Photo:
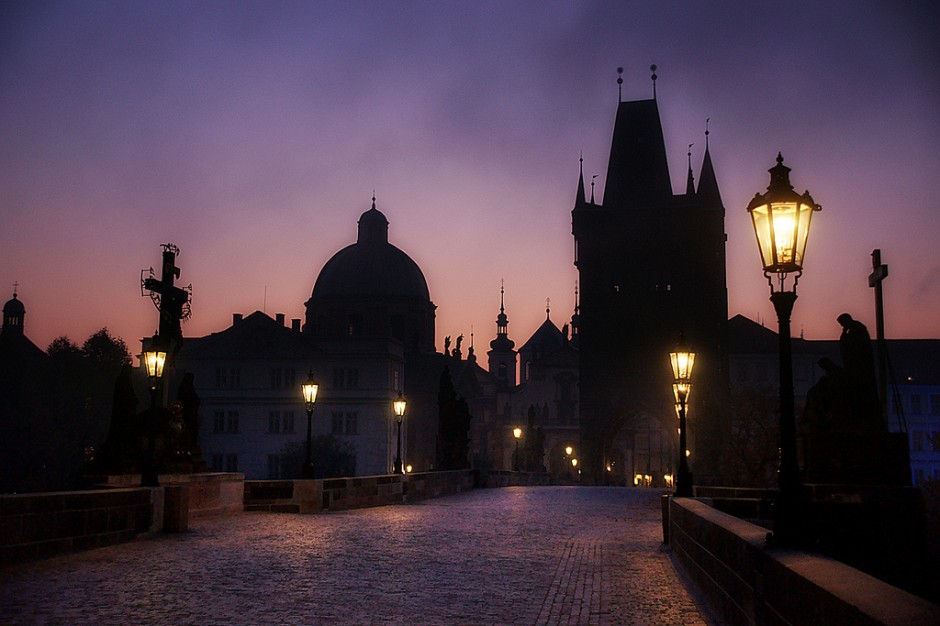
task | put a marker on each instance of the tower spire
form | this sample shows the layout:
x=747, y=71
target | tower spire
x=690, y=182
x=579, y=199
x=708, y=194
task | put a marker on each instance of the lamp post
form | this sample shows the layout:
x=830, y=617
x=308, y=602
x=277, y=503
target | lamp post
x=781, y=219
x=682, y=360
x=517, y=434
x=399, y=406
x=310, y=388
x=154, y=358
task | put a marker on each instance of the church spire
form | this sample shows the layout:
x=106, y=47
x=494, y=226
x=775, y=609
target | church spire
x=708, y=194
x=690, y=181
x=579, y=199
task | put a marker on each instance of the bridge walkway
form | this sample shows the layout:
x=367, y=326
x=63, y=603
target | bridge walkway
x=520, y=555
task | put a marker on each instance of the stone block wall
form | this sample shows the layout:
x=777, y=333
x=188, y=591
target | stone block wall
x=38, y=525
x=745, y=582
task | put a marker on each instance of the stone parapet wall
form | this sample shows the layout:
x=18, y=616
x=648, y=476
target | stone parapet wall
x=38, y=525
x=209, y=493
x=744, y=582
x=337, y=494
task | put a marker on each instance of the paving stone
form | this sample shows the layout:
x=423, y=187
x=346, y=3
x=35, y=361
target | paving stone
x=536, y=555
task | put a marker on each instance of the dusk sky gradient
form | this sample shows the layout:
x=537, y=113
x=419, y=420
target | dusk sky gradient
x=252, y=135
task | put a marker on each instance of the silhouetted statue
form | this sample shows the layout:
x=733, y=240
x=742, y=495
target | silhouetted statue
x=117, y=453
x=859, y=365
x=189, y=400
x=447, y=345
x=534, y=445
x=453, y=434
x=457, y=352
x=827, y=407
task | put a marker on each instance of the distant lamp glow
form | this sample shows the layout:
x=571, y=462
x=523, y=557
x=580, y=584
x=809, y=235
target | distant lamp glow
x=408, y=469
x=574, y=462
x=309, y=389
x=399, y=406
x=682, y=360
x=568, y=450
x=517, y=434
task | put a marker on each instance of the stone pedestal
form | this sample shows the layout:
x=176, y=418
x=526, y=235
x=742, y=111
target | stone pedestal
x=855, y=458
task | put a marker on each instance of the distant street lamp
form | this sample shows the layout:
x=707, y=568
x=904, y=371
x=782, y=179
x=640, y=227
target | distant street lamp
x=399, y=406
x=682, y=360
x=154, y=358
x=781, y=220
x=517, y=433
x=310, y=388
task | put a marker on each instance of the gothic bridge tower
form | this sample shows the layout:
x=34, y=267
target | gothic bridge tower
x=651, y=265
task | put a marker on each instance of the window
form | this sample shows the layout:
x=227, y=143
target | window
x=231, y=462
x=287, y=425
x=217, y=462
x=235, y=377
x=339, y=378
x=220, y=377
x=934, y=440
x=274, y=422
x=918, y=476
x=345, y=423
x=354, y=324
x=218, y=422
x=935, y=404
x=916, y=408
x=277, y=379
x=274, y=466
x=290, y=378
x=352, y=379
x=232, y=423
x=917, y=441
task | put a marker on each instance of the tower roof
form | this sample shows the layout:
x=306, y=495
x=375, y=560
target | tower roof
x=637, y=173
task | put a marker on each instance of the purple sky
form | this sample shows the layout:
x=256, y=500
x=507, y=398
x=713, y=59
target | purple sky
x=252, y=136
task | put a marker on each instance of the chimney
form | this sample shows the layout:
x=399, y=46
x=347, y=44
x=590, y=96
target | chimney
x=295, y=325
x=279, y=318
x=236, y=318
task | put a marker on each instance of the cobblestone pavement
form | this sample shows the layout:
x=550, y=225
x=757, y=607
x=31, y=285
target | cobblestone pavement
x=536, y=555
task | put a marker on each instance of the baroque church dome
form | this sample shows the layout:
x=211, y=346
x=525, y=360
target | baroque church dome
x=371, y=266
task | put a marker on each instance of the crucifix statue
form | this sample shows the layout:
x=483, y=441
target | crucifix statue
x=172, y=301
x=877, y=276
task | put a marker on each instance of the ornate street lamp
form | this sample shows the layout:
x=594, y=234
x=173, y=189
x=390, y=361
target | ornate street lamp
x=781, y=220
x=399, y=406
x=310, y=388
x=517, y=433
x=154, y=359
x=682, y=360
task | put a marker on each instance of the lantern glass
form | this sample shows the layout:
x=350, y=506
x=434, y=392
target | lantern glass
x=399, y=405
x=154, y=360
x=517, y=432
x=310, y=388
x=682, y=362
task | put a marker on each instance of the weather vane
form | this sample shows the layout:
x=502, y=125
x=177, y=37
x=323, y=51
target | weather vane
x=653, y=70
x=619, y=84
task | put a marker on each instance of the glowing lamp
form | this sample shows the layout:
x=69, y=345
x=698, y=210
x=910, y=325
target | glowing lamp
x=310, y=388
x=781, y=219
x=154, y=360
x=517, y=432
x=399, y=405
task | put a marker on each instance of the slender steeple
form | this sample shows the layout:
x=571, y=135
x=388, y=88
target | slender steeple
x=690, y=181
x=502, y=356
x=708, y=194
x=576, y=317
x=579, y=199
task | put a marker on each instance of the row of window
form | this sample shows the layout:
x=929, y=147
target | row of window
x=921, y=475
x=280, y=422
x=923, y=441
x=284, y=378
x=916, y=405
x=228, y=422
x=224, y=462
